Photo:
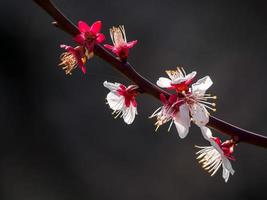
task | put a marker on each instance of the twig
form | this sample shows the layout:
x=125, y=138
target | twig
x=238, y=134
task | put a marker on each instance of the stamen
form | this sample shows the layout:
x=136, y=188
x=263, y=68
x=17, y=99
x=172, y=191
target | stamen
x=170, y=126
x=183, y=71
x=209, y=158
x=68, y=62
x=217, y=167
x=209, y=103
x=213, y=109
x=123, y=32
x=207, y=97
x=155, y=113
x=111, y=31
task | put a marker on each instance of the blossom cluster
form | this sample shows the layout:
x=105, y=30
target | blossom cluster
x=88, y=37
x=187, y=102
x=190, y=103
x=77, y=56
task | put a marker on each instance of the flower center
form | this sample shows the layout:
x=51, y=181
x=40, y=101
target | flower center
x=180, y=87
x=129, y=95
x=227, y=147
x=90, y=36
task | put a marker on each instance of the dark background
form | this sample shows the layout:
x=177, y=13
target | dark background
x=58, y=138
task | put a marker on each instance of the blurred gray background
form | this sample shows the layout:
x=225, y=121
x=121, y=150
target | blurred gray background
x=58, y=138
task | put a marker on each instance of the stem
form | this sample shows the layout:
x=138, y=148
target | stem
x=238, y=134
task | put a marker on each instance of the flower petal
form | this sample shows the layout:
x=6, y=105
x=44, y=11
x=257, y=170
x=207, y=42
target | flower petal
x=96, y=27
x=225, y=174
x=181, y=78
x=164, y=82
x=68, y=48
x=83, y=26
x=199, y=114
x=190, y=76
x=100, y=37
x=227, y=168
x=163, y=99
x=111, y=86
x=182, y=121
x=115, y=102
x=129, y=114
x=227, y=164
x=81, y=65
x=206, y=132
x=109, y=47
x=131, y=44
x=200, y=87
x=79, y=38
x=83, y=69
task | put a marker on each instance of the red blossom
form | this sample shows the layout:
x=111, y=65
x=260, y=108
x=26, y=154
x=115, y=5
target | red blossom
x=121, y=46
x=77, y=53
x=89, y=36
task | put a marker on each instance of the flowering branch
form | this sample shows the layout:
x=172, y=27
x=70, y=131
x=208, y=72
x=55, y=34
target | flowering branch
x=145, y=86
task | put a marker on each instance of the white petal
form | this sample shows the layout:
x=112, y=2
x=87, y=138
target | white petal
x=227, y=168
x=191, y=75
x=227, y=165
x=115, y=102
x=199, y=114
x=164, y=82
x=182, y=79
x=112, y=86
x=182, y=121
x=129, y=114
x=225, y=174
x=200, y=87
x=206, y=132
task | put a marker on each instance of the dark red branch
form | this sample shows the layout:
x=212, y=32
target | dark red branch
x=238, y=134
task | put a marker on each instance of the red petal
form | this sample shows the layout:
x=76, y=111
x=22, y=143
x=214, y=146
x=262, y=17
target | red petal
x=163, y=98
x=64, y=46
x=96, y=27
x=131, y=44
x=116, y=51
x=83, y=27
x=127, y=102
x=122, y=87
x=68, y=48
x=79, y=38
x=134, y=103
x=81, y=65
x=109, y=47
x=172, y=99
x=83, y=69
x=100, y=38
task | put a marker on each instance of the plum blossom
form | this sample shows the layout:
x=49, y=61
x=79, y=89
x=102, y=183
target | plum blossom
x=196, y=101
x=122, y=100
x=121, y=46
x=169, y=111
x=89, y=36
x=193, y=100
x=74, y=57
x=218, y=154
x=177, y=80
